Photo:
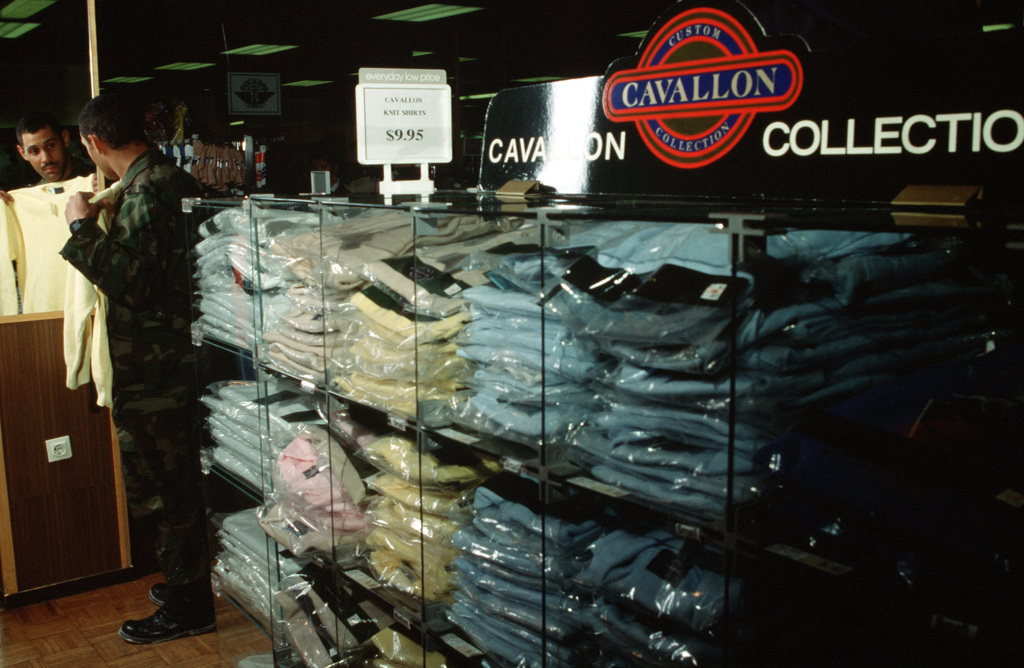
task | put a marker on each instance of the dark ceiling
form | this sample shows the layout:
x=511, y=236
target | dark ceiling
x=482, y=52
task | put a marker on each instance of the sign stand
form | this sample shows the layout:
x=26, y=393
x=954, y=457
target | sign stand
x=421, y=186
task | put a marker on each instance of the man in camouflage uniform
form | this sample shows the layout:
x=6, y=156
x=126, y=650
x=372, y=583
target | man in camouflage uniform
x=142, y=265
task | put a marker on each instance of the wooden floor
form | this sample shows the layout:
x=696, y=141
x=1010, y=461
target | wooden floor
x=81, y=630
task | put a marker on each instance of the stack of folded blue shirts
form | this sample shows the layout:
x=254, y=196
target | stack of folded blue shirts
x=735, y=354
x=658, y=597
x=531, y=383
x=920, y=478
x=511, y=599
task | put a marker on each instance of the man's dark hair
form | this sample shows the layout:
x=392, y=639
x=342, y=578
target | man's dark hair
x=117, y=119
x=35, y=122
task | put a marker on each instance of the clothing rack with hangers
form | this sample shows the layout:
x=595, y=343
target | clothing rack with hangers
x=219, y=165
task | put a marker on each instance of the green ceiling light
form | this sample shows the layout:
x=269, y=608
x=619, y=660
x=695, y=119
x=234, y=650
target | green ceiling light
x=417, y=54
x=127, y=79
x=639, y=34
x=12, y=29
x=183, y=67
x=308, y=82
x=467, y=59
x=997, y=26
x=259, y=49
x=478, y=96
x=22, y=9
x=430, y=12
x=237, y=123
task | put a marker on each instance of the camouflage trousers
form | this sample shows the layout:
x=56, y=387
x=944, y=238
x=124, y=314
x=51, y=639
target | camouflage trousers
x=159, y=442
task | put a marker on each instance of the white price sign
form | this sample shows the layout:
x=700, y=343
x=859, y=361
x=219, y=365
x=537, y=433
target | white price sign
x=403, y=117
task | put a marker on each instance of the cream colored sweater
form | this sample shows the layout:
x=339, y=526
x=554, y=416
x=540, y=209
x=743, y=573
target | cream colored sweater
x=86, y=351
x=32, y=231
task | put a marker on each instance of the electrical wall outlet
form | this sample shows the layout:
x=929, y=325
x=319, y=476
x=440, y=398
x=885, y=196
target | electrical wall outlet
x=58, y=448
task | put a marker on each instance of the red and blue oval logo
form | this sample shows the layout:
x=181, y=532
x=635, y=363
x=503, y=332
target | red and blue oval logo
x=698, y=86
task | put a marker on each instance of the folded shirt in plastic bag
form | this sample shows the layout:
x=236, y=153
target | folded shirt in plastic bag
x=629, y=638
x=443, y=467
x=326, y=622
x=653, y=572
x=400, y=651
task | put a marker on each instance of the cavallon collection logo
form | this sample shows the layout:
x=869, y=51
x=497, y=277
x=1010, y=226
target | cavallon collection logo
x=698, y=86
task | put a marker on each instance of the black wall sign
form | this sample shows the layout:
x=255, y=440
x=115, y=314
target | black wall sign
x=711, y=107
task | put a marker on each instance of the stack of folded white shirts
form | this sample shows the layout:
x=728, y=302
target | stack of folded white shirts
x=223, y=269
x=319, y=500
x=424, y=497
x=229, y=268
x=233, y=422
x=243, y=563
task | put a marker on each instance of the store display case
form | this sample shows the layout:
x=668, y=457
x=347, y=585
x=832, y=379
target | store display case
x=624, y=431
x=683, y=382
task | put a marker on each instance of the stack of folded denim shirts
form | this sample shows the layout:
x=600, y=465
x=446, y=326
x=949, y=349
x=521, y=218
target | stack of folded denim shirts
x=422, y=503
x=532, y=380
x=242, y=565
x=628, y=638
x=917, y=480
x=328, y=624
x=319, y=500
x=716, y=349
x=511, y=599
x=658, y=598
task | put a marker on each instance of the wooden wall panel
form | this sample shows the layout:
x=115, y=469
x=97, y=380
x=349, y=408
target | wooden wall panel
x=64, y=519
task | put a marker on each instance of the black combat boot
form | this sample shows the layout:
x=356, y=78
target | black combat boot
x=159, y=593
x=188, y=611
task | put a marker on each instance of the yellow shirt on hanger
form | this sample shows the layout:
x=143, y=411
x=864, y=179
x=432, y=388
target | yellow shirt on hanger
x=32, y=231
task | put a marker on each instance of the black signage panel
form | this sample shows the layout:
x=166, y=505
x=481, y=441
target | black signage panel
x=711, y=107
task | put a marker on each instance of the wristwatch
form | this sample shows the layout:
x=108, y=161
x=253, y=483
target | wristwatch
x=78, y=222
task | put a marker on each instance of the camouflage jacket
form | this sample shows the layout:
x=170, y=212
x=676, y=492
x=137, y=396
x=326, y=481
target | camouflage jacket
x=142, y=266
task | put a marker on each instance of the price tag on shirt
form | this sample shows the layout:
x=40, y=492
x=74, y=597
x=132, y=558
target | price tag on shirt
x=403, y=116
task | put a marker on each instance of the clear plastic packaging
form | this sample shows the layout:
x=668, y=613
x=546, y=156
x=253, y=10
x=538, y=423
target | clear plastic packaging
x=444, y=467
x=452, y=503
x=318, y=499
x=401, y=651
x=657, y=573
x=328, y=627
x=403, y=561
